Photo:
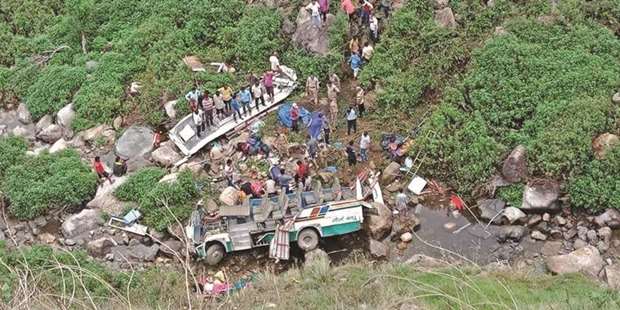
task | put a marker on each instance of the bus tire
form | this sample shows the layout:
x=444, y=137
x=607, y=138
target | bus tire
x=308, y=239
x=214, y=254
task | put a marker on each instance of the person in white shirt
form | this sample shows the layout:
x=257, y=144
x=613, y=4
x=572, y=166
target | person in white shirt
x=228, y=172
x=275, y=62
x=364, y=146
x=271, y=188
x=315, y=10
x=367, y=51
x=257, y=94
x=197, y=117
x=374, y=28
x=351, y=121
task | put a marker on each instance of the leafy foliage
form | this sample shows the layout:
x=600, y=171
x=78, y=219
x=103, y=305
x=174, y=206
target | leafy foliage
x=53, y=88
x=47, y=181
x=512, y=194
x=12, y=151
x=138, y=184
x=599, y=186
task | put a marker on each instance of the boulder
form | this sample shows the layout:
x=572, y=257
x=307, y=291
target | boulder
x=611, y=218
x=605, y=234
x=105, y=200
x=309, y=37
x=23, y=115
x=616, y=98
x=170, y=109
x=26, y=131
x=513, y=214
x=170, y=247
x=440, y=4
x=541, y=195
x=166, y=155
x=102, y=131
x=50, y=134
x=316, y=257
x=402, y=224
x=135, y=253
x=514, y=169
x=551, y=248
x=229, y=196
x=378, y=249
x=445, y=18
x=100, y=247
x=46, y=238
x=406, y=237
x=80, y=223
x=59, y=146
x=612, y=276
x=136, y=141
x=586, y=260
x=490, y=208
x=537, y=235
x=91, y=65
x=510, y=232
x=117, y=123
x=65, y=116
x=379, y=224
x=43, y=123
x=390, y=173
x=579, y=244
x=604, y=143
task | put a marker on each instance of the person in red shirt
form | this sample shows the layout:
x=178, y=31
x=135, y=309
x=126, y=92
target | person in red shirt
x=268, y=83
x=295, y=117
x=98, y=165
x=157, y=139
x=301, y=173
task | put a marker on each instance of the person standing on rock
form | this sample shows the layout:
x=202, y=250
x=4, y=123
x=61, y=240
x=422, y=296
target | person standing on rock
x=315, y=13
x=193, y=95
x=268, y=83
x=100, y=170
x=360, y=100
x=197, y=117
x=364, y=146
x=120, y=167
x=401, y=202
x=227, y=94
x=332, y=98
x=257, y=94
x=294, y=117
x=208, y=107
x=301, y=173
x=351, y=121
x=218, y=101
x=324, y=7
x=312, y=88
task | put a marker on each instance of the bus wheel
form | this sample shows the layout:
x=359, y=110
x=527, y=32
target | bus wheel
x=215, y=253
x=308, y=239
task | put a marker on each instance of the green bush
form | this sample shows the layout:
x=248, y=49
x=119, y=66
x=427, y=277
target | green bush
x=139, y=184
x=12, y=151
x=599, y=186
x=53, y=89
x=47, y=181
x=512, y=194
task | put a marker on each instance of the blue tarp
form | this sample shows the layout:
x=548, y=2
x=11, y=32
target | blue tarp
x=284, y=115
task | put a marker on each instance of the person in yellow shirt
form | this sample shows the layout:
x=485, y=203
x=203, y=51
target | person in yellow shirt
x=226, y=93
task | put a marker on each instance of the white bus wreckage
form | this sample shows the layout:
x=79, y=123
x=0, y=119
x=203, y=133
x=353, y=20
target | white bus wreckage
x=184, y=133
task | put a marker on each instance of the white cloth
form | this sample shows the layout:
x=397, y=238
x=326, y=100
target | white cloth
x=270, y=186
x=275, y=63
x=315, y=8
x=364, y=142
x=367, y=52
x=197, y=117
x=351, y=115
x=374, y=24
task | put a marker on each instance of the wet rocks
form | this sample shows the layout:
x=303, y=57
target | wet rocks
x=515, y=166
x=445, y=18
x=23, y=115
x=51, y=133
x=541, y=195
x=100, y=247
x=379, y=225
x=586, y=260
x=104, y=198
x=612, y=276
x=611, y=218
x=490, y=208
x=378, y=249
x=514, y=215
x=511, y=232
x=166, y=155
x=81, y=223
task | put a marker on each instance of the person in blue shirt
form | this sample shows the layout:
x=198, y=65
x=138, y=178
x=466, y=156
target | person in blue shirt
x=236, y=107
x=246, y=99
x=356, y=64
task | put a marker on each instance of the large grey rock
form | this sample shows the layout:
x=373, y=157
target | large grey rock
x=166, y=155
x=58, y=146
x=513, y=214
x=586, y=260
x=308, y=36
x=100, y=247
x=515, y=166
x=440, y=4
x=379, y=225
x=445, y=18
x=616, y=98
x=80, y=223
x=510, y=232
x=51, y=133
x=91, y=65
x=537, y=235
x=25, y=131
x=490, y=208
x=169, y=107
x=612, y=276
x=611, y=218
x=172, y=247
x=65, y=116
x=604, y=143
x=96, y=133
x=105, y=200
x=135, y=253
x=43, y=123
x=136, y=141
x=541, y=195
x=23, y=115
x=390, y=173
x=316, y=257
x=378, y=249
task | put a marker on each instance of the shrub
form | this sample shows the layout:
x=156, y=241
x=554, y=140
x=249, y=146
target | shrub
x=53, y=89
x=12, y=151
x=48, y=181
x=512, y=194
x=599, y=186
x=139, y=184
